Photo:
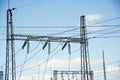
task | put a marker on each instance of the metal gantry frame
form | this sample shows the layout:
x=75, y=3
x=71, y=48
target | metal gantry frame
x=75, y=75
x=85, y=63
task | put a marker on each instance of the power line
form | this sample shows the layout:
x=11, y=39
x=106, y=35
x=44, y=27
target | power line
x=98, y=36
x=107, y=64
x=52, y=34
x=106, y=37
x=30, y=57
x=2, y=39
x=46, y=26
x=100, y=30
x=108, y=20
x=103, y=26
x=64, y=31
x=22, y=67
x=33, y=55
x=2, y=33
x=63, y=26
x=35, y=47
x=28, y=4
x=38, y=52
x=15, y=54
x=46, y=67
x=55, y=48
x=42, y=62
x=43, y=26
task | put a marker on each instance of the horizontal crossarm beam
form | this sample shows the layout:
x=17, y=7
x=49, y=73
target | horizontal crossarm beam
x=46, y=38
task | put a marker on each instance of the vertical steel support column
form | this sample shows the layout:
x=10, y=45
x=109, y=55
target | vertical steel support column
x=1, y=75
x=91, y=75
x=10, y=48
x=84, y=52
x=62, y=76
x=104, y=69
x=7, y=49
x=55, y=74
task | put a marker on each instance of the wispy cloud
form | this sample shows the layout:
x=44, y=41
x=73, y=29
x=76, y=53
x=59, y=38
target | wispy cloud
x=111, y=72
x=93, y=17
x=61, y=63
x=55, y=64
x=90, y=22
x=24, y=78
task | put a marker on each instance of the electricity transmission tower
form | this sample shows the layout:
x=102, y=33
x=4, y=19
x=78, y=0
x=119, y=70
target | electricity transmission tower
x=10, y=55
x=86, y=73
x=85, y=60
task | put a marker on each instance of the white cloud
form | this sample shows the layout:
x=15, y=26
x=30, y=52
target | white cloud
x=93, y=17
x=40, y=77
x=24, y=78
x=35, y=77
x=63, y=64
x=110, y=71
x=96, y=62
x=54, y=64
x=90, y=19
x=113, y=71
x=90, y=22
x=93, y=27
x=60, y=63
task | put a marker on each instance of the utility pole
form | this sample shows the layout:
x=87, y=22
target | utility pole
x=10, y=55
x=85, y=62
x=104, y=69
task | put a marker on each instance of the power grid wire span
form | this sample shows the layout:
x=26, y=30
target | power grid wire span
x=22, y=67
x=28, y=4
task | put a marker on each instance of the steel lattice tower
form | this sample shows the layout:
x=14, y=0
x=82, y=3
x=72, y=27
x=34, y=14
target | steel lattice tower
x=10, y=54
x=85, y=61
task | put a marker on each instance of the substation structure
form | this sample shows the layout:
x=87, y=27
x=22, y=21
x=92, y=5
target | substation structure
x=85, y=73
x=69, y=75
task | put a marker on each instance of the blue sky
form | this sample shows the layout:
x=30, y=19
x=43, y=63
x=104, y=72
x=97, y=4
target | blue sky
x=64, y=13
